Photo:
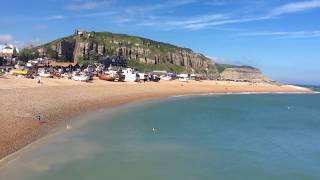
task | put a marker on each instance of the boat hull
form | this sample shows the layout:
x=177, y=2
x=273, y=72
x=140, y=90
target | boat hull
x=107, y=78
x=19, y=72
x=80, y=78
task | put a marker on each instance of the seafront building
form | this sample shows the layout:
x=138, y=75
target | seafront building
x=8, y=51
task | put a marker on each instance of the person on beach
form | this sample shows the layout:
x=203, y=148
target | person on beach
x=137, y=77
x=39, y=119
x=38, y=79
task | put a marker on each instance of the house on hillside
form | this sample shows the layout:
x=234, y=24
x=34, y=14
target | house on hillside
x=8, y=51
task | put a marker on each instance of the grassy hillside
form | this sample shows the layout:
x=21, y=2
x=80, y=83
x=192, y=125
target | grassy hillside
x=222, y=67
x=109, y=40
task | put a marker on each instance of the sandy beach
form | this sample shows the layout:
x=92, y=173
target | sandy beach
x=56, y=100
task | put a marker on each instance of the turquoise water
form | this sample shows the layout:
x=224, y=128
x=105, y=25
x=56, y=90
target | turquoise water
x=209, y=137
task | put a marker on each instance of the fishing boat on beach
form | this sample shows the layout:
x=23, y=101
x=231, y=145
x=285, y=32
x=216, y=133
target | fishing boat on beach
x=107, y=76
x=120, y=77
x=17, y=72
x=130, y=75
x=45, y=74
x=66, y=75
x=183, y=77
x=133, y=76
x=166, y=78
x=80, y=76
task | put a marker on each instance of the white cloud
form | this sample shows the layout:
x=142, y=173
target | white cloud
x=86, y=5
x=88, y=15
x=295, y=7
x=5, y=38
x=285, y=34
x=97, y=14
x=29, y=43
x=275, y=12
x=224, y=22
x=205, y=21
x=8, y=38
x=148, y=14
x=200, y=22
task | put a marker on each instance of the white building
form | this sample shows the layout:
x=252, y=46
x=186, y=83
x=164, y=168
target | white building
x=8, y=51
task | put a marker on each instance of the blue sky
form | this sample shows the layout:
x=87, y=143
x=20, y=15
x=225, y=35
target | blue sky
x=281, y=37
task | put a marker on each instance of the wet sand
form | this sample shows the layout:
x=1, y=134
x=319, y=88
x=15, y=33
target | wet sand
x=56, y=100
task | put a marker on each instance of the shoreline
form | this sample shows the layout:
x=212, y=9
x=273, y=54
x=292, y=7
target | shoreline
x=59, y=130
x=60, y=102
x=77, y=122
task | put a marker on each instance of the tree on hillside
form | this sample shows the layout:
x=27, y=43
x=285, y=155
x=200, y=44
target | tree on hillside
x=52, y=53
x=93, y=55
x=28, y=54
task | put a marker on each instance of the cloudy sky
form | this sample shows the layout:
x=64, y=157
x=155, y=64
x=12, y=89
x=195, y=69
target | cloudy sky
x=281, y=37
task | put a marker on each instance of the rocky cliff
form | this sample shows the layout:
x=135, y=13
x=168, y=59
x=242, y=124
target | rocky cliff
x=90, y=46
x=87, y=47
x=243, y=74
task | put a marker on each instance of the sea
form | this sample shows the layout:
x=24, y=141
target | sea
x=243, y=137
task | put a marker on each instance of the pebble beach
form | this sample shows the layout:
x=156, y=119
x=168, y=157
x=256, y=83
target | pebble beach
x=30, y=111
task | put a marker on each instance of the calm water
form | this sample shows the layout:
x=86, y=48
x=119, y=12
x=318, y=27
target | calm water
x=218, y=137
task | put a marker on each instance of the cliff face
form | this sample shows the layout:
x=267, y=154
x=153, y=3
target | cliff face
x=90, y=46
x=243, y=74
x=180, y=57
